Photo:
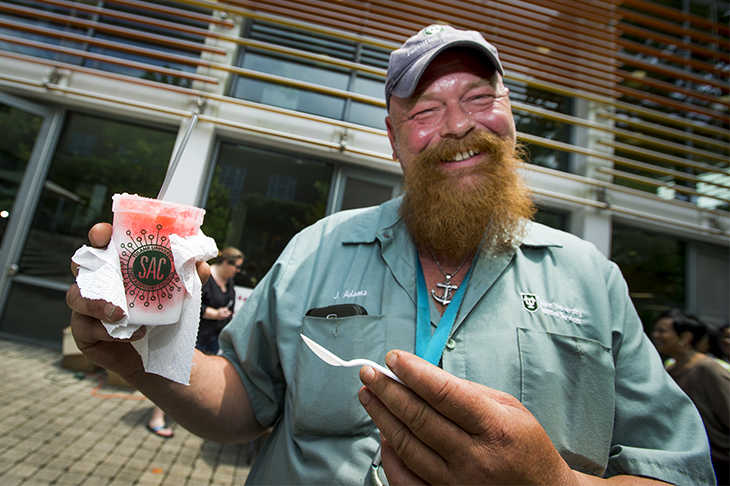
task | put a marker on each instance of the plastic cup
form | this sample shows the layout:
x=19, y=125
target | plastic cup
x=142, y=229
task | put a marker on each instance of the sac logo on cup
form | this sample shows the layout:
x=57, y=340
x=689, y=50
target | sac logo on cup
x=148, y=269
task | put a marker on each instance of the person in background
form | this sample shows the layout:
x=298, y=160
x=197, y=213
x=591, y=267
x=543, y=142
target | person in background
x=723, y=343
x=218, y=298
x=157, y=424
x=536, y=367
x=676, y=333
x=708, y=345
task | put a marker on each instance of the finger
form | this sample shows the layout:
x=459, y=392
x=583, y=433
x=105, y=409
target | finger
x=98, y=309
x=87, y=331
x=100, y=234
x=395, y=469
x=467, y=404
x=414, y=452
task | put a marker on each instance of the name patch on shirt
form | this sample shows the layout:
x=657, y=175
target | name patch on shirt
x=352, y=293
x=533, y=303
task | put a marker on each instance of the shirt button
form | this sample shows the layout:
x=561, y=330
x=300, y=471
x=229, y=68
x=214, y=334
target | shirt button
x=450, y=344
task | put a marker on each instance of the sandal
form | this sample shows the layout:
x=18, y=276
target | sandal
x=160, y=431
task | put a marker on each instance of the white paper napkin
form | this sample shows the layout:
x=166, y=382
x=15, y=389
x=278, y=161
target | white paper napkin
x=165, y=350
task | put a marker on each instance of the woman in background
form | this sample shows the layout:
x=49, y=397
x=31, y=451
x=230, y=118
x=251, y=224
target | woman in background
x=218, y=298
x=706, y=383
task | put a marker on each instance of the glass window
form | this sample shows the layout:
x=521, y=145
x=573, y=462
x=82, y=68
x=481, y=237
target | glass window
x=365, y=113
x=19, y=130
x=363, y=193
x=368, y=115
x=322, y=74
x=553, y=218
x=654, y=268
x=48, y=316
x=534, y=124
x=288, y=97
x=296, y=70
x=94, y=159
x=75, y=21
x=276, y=196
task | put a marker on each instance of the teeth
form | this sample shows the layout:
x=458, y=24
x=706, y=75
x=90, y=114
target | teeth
x=463, y=155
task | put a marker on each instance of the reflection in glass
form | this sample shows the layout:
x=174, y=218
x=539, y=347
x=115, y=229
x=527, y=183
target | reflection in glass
x=273, y=197
x=19, y=130
x=94, y=159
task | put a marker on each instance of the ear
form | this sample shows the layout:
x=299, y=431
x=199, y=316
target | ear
x=687, y=337
x=391, y=136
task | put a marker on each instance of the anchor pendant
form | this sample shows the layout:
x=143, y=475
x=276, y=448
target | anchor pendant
x=446, y=298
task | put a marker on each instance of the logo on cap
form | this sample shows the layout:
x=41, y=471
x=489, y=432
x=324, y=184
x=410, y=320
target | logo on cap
x=433, y=29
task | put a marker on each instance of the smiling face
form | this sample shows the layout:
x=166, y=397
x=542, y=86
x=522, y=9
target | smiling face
x=665, y=338
x=459, y=94
x=455, y=139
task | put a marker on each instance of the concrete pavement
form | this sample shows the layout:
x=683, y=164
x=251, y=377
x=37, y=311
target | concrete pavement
x=63, y=427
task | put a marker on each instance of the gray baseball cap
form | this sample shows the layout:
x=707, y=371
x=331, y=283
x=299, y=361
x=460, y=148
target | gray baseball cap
x=408, y=63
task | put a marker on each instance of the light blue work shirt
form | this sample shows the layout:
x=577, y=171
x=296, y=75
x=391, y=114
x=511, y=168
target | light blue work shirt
x=550, y=323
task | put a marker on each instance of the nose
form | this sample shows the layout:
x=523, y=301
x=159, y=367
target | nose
x=457, y=122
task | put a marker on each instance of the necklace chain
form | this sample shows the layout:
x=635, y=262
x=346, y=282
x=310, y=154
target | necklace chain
x=449, y=277
x=447, y=286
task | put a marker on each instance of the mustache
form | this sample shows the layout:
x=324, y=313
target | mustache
x=476, y=141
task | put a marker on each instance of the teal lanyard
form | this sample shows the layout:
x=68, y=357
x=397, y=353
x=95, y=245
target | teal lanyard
x=431, y=347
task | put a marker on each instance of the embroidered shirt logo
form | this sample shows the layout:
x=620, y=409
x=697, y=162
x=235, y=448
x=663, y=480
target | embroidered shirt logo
x=530, y=302
x=533, y=303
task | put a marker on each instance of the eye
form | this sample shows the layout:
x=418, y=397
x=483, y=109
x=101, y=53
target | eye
x=424, y=112
x=481, y=101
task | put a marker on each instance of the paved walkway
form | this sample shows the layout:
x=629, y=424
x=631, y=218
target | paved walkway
x=61, y=427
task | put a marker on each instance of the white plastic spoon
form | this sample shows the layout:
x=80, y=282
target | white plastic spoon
x=332, y=359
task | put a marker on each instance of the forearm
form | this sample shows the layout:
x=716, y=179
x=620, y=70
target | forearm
x=211, y=314
x=215, y=406
x=587, y=480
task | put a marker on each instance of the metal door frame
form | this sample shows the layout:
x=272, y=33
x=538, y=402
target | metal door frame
x=30, y=189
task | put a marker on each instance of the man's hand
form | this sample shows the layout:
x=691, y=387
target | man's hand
x=90, y=335
x=444, y=430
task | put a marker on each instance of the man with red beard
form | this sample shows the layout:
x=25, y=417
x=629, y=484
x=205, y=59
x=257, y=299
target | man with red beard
x=524, y=360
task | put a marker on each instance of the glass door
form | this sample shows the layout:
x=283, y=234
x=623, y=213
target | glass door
x=28, y=138
x=92, y=157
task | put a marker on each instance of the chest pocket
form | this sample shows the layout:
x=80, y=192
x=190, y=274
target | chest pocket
x=325, y=397
x=567, y=383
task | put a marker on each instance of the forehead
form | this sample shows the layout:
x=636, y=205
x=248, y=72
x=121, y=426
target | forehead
x=665, y=324
x=453, y=62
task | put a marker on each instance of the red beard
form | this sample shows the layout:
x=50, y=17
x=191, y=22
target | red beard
x=453, y=212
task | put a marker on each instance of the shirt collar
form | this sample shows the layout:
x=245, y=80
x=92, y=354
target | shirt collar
x=538, y=235
x=374, y=224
